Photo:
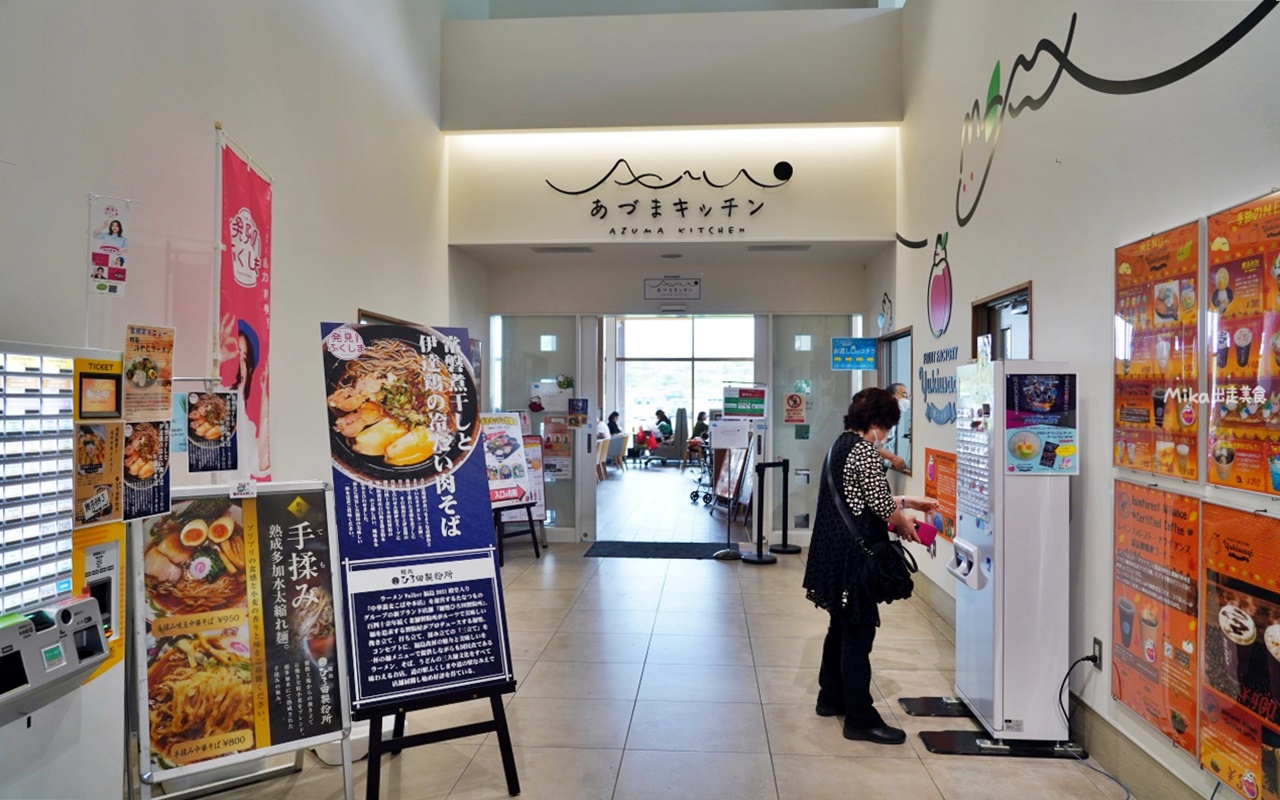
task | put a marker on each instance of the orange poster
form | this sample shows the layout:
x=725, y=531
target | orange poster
x=1157, y=370
x=1154, y=665
x=940, y=482
x=1240, y=695
x=1243, y=337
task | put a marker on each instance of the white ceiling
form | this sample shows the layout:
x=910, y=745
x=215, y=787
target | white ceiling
x=694, y=255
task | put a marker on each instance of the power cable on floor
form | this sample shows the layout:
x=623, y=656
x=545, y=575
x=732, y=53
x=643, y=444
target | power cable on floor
x=1067, y=718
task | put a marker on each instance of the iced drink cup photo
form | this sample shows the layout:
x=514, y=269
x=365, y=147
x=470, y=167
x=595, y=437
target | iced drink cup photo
x=1223, y=349
x=1157, y=406
x=1150, y=641
x=1238, y=636
x=1126, y=620
x=1244, y=341
x=1224, y=455
x=1184, y=458
x=1163, y=348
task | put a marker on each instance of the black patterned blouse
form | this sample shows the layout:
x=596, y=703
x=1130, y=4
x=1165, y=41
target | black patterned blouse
x=862, y=484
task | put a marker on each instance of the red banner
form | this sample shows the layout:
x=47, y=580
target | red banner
x=244, y=302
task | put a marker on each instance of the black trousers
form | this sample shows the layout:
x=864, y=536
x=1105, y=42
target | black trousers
x=844, y=681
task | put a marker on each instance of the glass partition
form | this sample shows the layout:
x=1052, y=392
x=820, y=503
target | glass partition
x=519, y=361
x=802, y=365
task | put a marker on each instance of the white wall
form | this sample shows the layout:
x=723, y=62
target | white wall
x=1070, y=182
x=842, y=186
x=749, y=68
x=597, y=287
x=468, y=294
x=338, y=101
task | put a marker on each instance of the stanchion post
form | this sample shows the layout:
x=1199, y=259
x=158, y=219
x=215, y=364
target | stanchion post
x=760, y=556
x=785, y=548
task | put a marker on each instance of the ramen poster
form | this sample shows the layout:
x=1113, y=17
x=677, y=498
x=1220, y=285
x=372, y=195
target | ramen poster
x=1041, y=433
x=238, y=628
x=415, y=528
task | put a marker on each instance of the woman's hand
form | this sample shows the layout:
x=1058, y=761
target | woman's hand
x=904, y=526
x=898, y=462
x=926, y=505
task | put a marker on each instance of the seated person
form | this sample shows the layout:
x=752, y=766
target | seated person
x=663, y=429
x=614, y=427
x=602, y=430
x=700, y=430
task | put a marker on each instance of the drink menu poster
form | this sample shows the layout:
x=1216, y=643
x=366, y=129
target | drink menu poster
x=1240, y=643
x=1154, y=640
x=940, y=483
x=1157, y=370
x=1243, y=337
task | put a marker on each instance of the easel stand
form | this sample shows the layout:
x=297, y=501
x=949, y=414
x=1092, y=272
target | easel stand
x=532, y=530
x=729, y=553
x=760, y=556
x=399, y=741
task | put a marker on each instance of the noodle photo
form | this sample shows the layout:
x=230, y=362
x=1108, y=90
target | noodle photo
x=145, y=455
x=208, y=417
x=399, y=413
x=198, y=687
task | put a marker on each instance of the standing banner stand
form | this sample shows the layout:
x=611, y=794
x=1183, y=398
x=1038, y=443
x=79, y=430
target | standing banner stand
x=237, y=635
x=729, y=553
x=500, y=524
x=419, y=553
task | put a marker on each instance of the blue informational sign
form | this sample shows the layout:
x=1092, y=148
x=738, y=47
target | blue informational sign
x=1042, y=436
x=421, y=585
x=851, y=353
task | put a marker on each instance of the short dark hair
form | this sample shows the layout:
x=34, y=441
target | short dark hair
x=872, y=407
x=894, y=387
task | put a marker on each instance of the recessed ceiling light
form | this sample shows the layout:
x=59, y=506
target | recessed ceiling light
x=672, y=255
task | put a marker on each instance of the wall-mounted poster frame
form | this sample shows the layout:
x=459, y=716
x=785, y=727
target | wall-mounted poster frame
x=1158, y=334
x=1155, y=609
x=1242, y=325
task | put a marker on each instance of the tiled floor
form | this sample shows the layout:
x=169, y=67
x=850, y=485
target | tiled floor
x=651, y=504
x=662, y=680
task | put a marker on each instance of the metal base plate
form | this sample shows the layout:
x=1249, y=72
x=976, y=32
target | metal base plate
x=934, y=706
x=978, y=743
x=727, y=554
x=785, y=549
x=763, y=558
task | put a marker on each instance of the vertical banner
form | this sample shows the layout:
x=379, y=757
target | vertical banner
x=108, y=245
x=244, y=303
x=209, y=431
x=504, y=459
x=419, y=557
x=1157, y=372
x=1240, y=643
x=1156, y=603
x=940, y=483
x=1243, y=328
x=1041, y=432
x=237, y=627
x=537, y=490
x=147, y=402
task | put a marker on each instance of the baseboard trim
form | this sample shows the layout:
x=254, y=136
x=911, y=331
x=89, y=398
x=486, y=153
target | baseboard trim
x=938, y=599
x=1123, y=758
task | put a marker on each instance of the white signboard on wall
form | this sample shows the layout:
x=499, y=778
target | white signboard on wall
x=672, y=287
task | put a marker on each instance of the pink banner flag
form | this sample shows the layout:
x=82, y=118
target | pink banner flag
x=245, y=304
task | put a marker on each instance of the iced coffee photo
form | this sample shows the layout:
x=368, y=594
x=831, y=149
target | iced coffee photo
x=1237, y=635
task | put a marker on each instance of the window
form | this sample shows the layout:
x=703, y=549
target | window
x=894, y=368
x=681, y=362
x=1006, y=317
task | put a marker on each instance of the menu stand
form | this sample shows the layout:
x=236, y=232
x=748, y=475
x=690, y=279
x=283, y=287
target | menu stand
x=500, y=527
x=399, y=741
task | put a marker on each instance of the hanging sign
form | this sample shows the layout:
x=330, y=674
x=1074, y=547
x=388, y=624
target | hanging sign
x=210, y=429
x=851, y=354
x=147, y=407
x=416, y=539
x=108, y=245
x=244, y=301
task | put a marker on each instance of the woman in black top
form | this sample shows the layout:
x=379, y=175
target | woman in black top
x=614, y=428
x=844, y=681
x=700, y=427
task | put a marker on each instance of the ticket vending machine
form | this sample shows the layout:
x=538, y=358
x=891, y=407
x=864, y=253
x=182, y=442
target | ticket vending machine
x=62, y=570
x=1017, y=440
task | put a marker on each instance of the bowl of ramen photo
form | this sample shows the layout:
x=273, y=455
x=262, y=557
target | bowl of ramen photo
x=399, y=417
x=199, y=686
x=146, y=454
x=208, y=418
x=193, y=558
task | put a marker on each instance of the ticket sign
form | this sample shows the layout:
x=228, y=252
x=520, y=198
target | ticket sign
x=1240, y=650
x=745, y=401
x=1155, y=666
x=415, y=527
x=851, y=353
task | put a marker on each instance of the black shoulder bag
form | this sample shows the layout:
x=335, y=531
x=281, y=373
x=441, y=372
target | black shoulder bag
x=880, y=572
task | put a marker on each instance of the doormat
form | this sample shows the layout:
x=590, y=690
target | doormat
x=655, y=549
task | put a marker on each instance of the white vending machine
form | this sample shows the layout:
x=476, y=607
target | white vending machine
x=1017, y=441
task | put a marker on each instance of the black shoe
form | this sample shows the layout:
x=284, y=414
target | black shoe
x=880, y=734
x=827, y=711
